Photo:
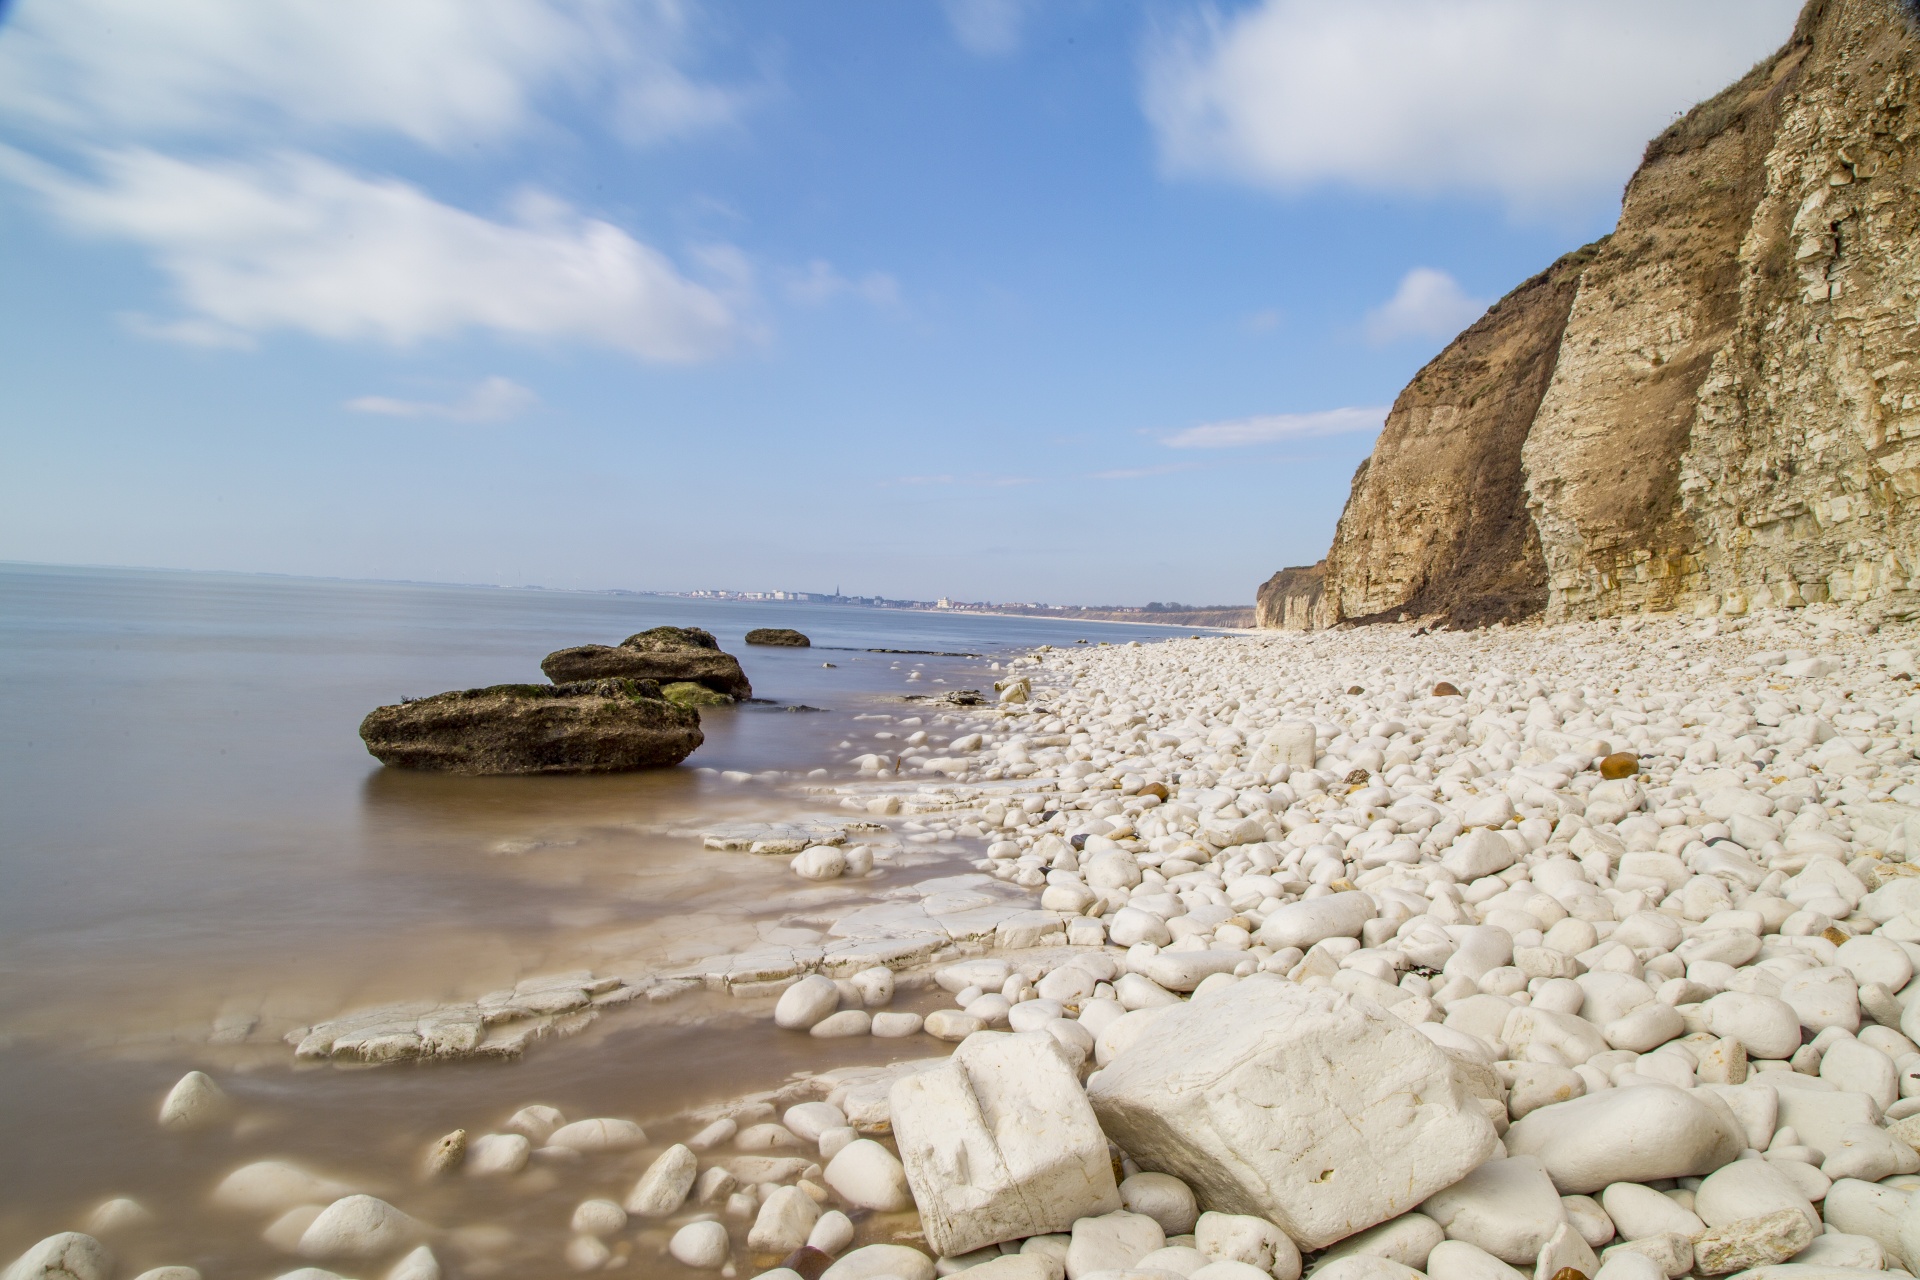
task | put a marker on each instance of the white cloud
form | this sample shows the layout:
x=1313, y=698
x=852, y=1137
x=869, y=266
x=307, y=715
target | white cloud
x=1428, y=304
x=1275, y=428
x=820, y=284
x=295, y=243
x=1539, y=104
x=489, y=400
x=1143, y=473
x=989, y=28
x=439, y=72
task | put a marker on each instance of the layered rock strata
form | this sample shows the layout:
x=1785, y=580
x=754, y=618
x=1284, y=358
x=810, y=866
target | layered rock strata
x=1714, y=409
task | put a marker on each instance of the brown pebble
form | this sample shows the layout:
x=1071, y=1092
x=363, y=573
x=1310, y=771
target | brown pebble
x=1836, y=935
x=1445, y=690
x=1154, y=789
x=1356, y=689
x=1571, y=1273
x=1621, y=764
x=1358, y=778
x=808, y=1261
x=447, y=1154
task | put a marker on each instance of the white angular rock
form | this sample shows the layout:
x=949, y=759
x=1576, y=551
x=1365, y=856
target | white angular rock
x=1507, y=1207
x=1629, y=1135
x=1250, y=1240
x=999, y=1143
x=1312, y=1108
x=1565, y=1251
x=1748, y=1189
x=868, y=1176
x=1479, y=853
x=663, y=1188
x=832, y=1233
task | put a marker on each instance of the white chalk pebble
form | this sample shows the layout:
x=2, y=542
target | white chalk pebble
x=193, y=1103
x=496, y=1154
x=868, y=1176
x=809, y=1120
x=67, y=1256
x=842, y=1025
x=587, y=1253
x=820, y=862
x=832, y=1233
x=1162, y=1197
x=784, y=1222
x=357, y=1226
x=806, y=1002
x=174, y=1273
x=875, y=986
x=598, y=1218
x=117, y=1215
x=420, y=1264
x=598, y=1134
x=663, y=1188
x=896, y=1025
x=703, y=1245
x=536, y=1122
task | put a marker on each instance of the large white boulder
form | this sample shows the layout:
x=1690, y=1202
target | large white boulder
x=1629, y=1135
x=1314, y=1109
x=1507, y=1207
x=999, y=1143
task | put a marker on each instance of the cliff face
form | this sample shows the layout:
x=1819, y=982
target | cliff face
x=1715, y=408
x=1293, y=599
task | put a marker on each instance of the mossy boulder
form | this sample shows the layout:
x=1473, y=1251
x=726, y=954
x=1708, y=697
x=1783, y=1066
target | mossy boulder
x=779, y=636
x=595, y=726
x=670, y=655
x=685, y=693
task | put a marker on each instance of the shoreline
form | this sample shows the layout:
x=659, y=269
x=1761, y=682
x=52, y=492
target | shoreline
x=1195, y=820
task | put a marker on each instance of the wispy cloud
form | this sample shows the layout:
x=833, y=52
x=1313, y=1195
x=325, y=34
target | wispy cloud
x=295, y=243
x=820, y=283
x=1275, y=428
x=1539, y=105
x=1428, y=304
x=989, y=28
x=1265, y=320
x=489, y=400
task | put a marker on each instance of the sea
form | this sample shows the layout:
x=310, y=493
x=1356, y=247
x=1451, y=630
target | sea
x=193, y=837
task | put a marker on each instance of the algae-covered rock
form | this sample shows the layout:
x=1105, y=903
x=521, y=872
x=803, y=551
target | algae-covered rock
x=779, y=636
x=600, y=726
x=670, y=655
x=685, y=693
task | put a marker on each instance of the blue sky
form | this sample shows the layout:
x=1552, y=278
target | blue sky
x=1076, y=301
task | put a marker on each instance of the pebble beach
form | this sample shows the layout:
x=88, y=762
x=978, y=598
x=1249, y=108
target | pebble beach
x=1366, y=954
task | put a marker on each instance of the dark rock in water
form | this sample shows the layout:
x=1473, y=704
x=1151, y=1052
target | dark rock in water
x=778, y=636
x=670, y=655
x=598, y=726
x=671, y=638
x=685, y=693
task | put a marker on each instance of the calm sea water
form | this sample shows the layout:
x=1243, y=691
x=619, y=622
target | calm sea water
x=190, y=827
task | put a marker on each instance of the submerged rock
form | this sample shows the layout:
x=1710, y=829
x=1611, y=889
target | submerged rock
x=666, y=654
x=778, y=636
x=600, y=726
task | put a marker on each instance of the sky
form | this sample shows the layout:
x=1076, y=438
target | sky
x=1074, y=301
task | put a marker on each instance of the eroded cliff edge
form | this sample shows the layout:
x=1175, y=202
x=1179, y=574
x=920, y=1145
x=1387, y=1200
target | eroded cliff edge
x=1715, y=408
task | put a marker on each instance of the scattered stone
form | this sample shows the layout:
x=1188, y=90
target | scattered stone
x=663, y=1188
x=1627, y=1135
x=662, y=654
x=446, y=1154
x=358, y=1226
x=1621, y=764
x=782, y=636
x=67, y=1256
x=702, y=1245
x=1752, y=1242
x=868, y=1176
x=598, y=1134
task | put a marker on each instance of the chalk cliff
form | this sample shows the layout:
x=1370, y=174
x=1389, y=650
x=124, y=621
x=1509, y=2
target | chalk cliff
x=1714, y=409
